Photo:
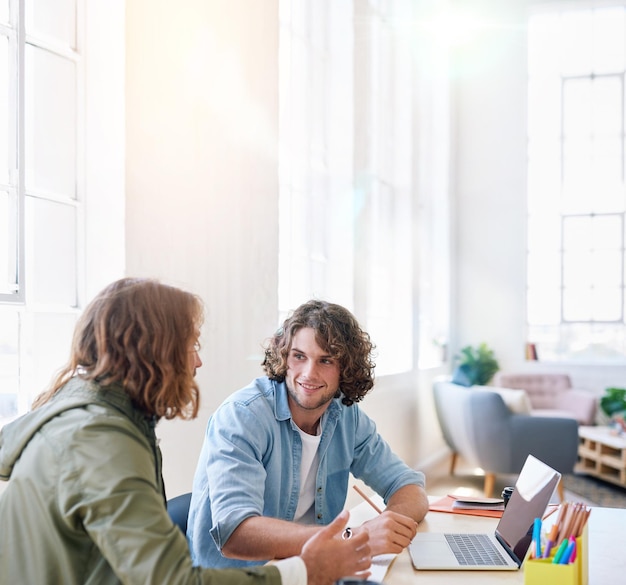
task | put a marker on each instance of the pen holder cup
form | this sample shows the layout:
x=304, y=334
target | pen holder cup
x=545, y=572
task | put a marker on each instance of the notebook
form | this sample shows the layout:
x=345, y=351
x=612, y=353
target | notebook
x=506, y=548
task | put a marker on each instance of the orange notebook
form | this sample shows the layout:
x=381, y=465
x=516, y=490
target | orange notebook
x=445, y=505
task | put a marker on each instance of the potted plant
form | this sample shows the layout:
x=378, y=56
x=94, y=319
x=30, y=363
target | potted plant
x=613, y=405
x=475, y=365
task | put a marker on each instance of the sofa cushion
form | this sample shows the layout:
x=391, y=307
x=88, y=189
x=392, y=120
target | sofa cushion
x=516, y=401
x=543, y=388
x=552, y=412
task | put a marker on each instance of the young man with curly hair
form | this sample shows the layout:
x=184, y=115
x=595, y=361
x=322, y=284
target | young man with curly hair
x=277, y=456
x=86, y=502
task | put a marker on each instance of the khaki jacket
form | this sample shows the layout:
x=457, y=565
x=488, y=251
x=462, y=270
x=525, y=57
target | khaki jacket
x=85, y=502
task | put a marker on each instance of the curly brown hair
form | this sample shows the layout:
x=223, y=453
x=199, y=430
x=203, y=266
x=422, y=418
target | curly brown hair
x=337, y=332
x=138, y=333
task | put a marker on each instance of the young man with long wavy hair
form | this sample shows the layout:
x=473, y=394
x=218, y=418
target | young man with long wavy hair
x=86, y=502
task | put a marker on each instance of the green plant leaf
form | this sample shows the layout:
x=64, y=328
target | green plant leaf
x=613, y=401
x=479, y=363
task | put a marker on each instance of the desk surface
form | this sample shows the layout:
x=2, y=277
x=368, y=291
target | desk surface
x=607, y=559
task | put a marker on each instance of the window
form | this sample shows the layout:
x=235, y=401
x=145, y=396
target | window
x=346, y=166
x=576, y=184
x=49, y=179
x=40, y=192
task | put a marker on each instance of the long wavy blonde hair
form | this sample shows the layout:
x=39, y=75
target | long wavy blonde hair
x=138, y=333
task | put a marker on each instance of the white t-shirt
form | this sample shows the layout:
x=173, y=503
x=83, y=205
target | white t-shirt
x=305, y=512
x=293, y=570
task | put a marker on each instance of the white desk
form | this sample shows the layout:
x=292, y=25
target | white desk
x=607, y=559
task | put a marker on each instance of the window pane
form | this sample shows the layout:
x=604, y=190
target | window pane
x=5, y=88
x=541, y=33
x=55, y=19
x=8, y=243
x=389, y=288
x=46, y=339
x=607, y=304
x=50, y=123
x=50, y=240
x=577, y=233
x=608, y=196
x=577, y=108
x=544, y=107
x=544, y=176
x=606, y=268
x=576, y=167
x=577, y=304
x=607, y=232
x=9, y=364
x=606, y=161
x=606, y=105
x=299, y=15
x=608, y=40
x=4, y=11
x=577, y=269
x=576, y=43
x=544, y=233
x=544, y=306
x=544, y=270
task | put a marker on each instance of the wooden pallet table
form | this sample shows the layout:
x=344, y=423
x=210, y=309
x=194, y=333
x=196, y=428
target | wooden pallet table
x=602, y=454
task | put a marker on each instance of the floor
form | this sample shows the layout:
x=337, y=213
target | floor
x=469, y=482
x=465, y=481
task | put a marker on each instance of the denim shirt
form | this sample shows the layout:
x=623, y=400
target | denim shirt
x=250, y=466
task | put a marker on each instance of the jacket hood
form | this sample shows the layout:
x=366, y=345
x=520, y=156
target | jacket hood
x=75, y=394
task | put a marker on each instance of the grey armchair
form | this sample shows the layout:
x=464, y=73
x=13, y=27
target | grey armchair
x=477, y=425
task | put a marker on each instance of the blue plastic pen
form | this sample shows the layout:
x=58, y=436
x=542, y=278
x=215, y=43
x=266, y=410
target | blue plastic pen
x=537, y=537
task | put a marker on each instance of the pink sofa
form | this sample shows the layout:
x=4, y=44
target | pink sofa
x=552, y=395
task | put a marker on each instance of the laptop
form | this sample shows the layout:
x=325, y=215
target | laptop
x=506, y=548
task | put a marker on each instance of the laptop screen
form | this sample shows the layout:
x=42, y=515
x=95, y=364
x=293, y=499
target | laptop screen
x=530, y=498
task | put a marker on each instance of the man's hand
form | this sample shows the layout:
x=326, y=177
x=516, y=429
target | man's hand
x=328, y=558
x=390, y=532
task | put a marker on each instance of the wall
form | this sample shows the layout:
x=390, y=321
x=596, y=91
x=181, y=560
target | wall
x=104, y=143
x=202, y=199
x=202, y=202
x=490, y=139
x=202, y=184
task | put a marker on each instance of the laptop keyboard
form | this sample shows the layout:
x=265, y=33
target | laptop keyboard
x=474, y=549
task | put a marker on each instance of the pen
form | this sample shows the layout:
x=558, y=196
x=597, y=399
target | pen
x=572, y=557
x=537, y=537
x=551, y=540
x=567, y=554
x=364, y=496
x=559, y=552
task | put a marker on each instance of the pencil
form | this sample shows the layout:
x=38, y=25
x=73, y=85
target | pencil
x=364, y=496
